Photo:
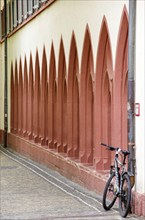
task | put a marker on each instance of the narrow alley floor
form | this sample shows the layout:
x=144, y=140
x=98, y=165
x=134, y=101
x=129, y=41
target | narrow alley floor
x=33, y=192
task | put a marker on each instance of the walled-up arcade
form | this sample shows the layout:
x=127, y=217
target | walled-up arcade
x=74, y=112
x=67, y=89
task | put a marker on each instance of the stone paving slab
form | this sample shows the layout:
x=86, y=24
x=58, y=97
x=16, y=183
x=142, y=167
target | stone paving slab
x=31, y=191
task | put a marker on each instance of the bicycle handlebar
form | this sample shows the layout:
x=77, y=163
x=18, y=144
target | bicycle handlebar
x=125, y=152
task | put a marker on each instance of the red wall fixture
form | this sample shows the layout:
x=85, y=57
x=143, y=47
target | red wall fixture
x=61, y=102
x=120, y=84
x=20, y=100
x=36, y=100
x=16, y=99
x=103, y=99
x=73, y=101
x=30, y=99
x=12, y=100
x=86, y=101
x=52, y=107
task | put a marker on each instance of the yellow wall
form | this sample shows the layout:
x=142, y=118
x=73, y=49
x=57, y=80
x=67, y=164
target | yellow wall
x=59, y=20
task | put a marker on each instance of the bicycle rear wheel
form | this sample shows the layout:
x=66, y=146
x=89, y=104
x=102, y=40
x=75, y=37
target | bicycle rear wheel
x=109, y=195
x=125, y=197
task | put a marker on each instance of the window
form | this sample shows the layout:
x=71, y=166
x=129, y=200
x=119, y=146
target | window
x=25, y=9
x=30, y=7
x=43, y=1
x=8, y=17
x=17, y=12
x=14, y=13
x=2, y=23
x=20, y=14
x=36, y=4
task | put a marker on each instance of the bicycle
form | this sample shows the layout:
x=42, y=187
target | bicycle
x=118, y=184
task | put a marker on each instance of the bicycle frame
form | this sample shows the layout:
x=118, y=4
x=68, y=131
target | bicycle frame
x=117, y=169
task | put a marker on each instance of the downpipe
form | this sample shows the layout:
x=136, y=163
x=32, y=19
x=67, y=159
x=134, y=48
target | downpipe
x=131, y=90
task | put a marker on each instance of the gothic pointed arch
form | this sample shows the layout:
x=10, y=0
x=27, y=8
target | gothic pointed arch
x=62, y=139
x=20, y=100
x=73, y=101
x=55, y=116
x=86, y=90
x=30, y=99
x=103, y=98
x=120, y=85
x=12, y=99
x=36, y=101
x=43, y=105
x=52, y=99
x=16, y=99
x=25, y=99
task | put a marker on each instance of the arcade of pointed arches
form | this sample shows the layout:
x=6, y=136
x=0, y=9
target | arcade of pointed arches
x=73, y=112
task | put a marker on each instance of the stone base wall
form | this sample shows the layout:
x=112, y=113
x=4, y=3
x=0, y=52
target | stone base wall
x=83, y=174
x=1, y=136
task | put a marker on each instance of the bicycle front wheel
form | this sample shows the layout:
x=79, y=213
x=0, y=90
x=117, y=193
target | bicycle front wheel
x=125, y=197
x=109, y=195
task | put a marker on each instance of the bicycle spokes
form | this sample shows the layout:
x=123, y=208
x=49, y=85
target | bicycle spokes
x=109, y=196
x=125, y=196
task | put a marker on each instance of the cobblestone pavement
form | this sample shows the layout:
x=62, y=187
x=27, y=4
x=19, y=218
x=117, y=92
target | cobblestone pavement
x=33, y=192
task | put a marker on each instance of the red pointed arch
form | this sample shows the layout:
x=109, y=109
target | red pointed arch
x=43, y=105
x=120, y=84
x=61, y=145
x=12, y=99
x=25, y=99
x=52, y=99
x=86, y=121
x=20, y=100
x=73, y=101
x=36, y=99
x=16, y=99
x=103, y=97
x=30, y=99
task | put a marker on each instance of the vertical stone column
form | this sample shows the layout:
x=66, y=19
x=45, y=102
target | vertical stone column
x=36, y=101
x=30, y=100
x=12, y=100
x=20, y=100
x=25, y=100
x=16, y=100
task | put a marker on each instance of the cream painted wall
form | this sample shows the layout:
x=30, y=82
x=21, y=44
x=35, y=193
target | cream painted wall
x=1, y=88
x=60, y=19
x=140, y=97
x=63, y=17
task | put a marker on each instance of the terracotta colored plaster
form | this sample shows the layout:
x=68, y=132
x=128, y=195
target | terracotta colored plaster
x=16, y=100
x=20, y=100
x=36, y=100
x=51, y=99
x=43, y=105
x=73, y=102
x=103, y=98
x=25, y=100
x=12, y=100
x=120, y=93
x=30, y=100
x=86, y=106
x=61, y=100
